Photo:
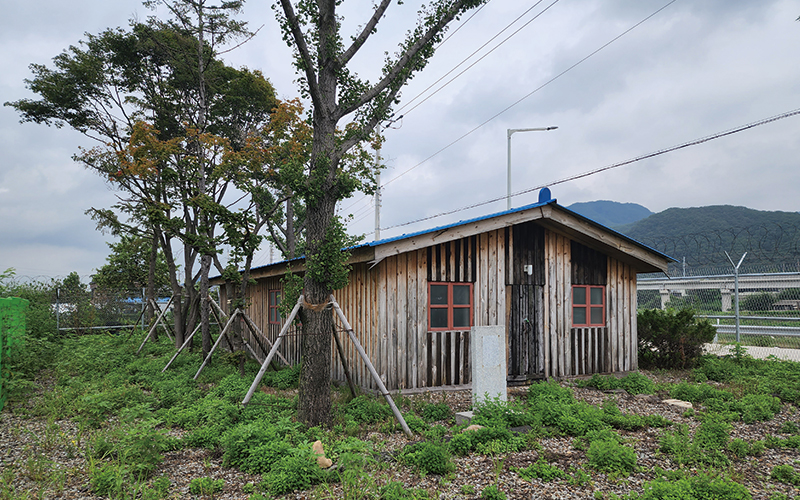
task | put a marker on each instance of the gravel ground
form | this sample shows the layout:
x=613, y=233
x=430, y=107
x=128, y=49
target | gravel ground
x=40, y=459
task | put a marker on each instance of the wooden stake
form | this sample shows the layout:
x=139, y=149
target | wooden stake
x=272, y=351
x=188, y=339
x=214, y=347
x=371, y=368
x=344, y=363
x=152, y=329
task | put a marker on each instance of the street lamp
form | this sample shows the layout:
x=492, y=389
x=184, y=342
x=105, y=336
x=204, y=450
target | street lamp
x=511, y=132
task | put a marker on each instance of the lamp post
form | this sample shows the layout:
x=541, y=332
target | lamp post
x=511, y=132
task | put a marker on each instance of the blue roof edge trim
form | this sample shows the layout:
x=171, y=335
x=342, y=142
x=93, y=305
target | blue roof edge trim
x=552, y=201
x=455, y=224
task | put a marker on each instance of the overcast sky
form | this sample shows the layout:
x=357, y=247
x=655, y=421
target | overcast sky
x=694, y=69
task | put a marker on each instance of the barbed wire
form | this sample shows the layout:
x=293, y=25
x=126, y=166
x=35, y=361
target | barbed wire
x=766, y=244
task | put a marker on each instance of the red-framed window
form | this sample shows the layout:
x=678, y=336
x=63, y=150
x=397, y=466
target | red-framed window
x=274, y=302
x=588, y=305
x=449, y=306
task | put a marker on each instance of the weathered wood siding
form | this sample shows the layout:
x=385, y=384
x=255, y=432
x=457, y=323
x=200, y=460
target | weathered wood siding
x=621, y=315
x=387, y=306
x=525, y=334
x=583, y=351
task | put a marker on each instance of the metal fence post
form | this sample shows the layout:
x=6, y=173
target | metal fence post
x=736, y=290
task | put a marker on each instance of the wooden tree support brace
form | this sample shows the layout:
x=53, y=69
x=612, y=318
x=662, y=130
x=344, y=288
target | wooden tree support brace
x=273, y=351
x=165, y=325
x=371, y=368
x=253, y=328
x=219, y=322
x=140, y=317
x=252, y=352
x=344, y=363
x=186, y=343
x=257, y=334
x=153, y=328
x=223, y=333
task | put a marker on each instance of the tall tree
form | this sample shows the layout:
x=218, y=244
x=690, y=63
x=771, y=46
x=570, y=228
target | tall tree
x=340, y=98
x=127, y=268
x=136, y=93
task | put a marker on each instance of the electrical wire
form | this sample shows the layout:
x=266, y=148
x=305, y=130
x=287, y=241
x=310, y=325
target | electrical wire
x=471, y=55
x=468, y=58
x=518, y=101
x=529, y=94
x=659, y=152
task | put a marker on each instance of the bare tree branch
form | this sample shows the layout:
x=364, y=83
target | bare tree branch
x=302, y=48
x=399, y=73
x=365, y=33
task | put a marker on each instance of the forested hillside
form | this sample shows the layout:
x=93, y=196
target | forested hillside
x=703, y=234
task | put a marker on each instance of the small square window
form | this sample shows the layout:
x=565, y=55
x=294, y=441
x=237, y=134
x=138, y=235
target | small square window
x=592, y=313
x=449, y=306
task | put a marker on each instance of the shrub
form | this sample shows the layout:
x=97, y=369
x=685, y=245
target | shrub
x=492, y=492
x=636, y=383
x=395, y=490
x=612, y=457
x=542, y=470
x=671, y=339
x=205, y=486
x=702, y=486
x=297, y=471
x=250, y=446
x=461, y=444
x=430, y=458
x=415, y=423
x=785, y=474
x=285, y=378
x=109, y=479
x=434, y=412
x=367, y=410
x=498, y=413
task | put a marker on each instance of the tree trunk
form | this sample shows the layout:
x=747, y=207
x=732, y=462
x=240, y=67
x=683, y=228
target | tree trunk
x=150, y=295
x=291, y=240
x=205, y=304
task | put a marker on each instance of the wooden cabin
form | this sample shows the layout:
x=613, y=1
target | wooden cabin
x=563, y=285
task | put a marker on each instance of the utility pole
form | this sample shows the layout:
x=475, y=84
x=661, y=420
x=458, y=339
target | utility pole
x=378, y=190
x=511, y=132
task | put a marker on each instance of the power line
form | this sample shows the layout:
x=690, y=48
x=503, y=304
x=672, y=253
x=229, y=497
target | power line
x=616, y=165
x=467, y=59
x=530, y=93
x=518, y=101
x=479, y=59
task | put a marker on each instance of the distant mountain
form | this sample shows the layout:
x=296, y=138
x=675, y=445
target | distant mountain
x=704, y=234
x=611, y=213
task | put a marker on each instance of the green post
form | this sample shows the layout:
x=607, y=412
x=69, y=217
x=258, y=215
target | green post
x=12, y=335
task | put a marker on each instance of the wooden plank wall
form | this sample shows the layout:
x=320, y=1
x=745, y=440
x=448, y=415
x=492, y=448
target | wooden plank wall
x=580, y=351
x=525, y=339
x=387, y=305
x=258, y=310
x=557, y=306
x=525, y=301
x=621, y=306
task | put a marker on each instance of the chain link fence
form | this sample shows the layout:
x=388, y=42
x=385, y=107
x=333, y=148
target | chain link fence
x=82, y=310
x=758, y=306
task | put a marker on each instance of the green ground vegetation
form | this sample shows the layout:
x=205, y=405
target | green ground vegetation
x=129, y=415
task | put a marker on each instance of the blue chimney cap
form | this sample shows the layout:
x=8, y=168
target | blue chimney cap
x=544, y=195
